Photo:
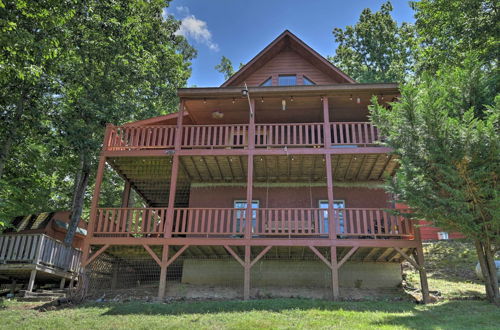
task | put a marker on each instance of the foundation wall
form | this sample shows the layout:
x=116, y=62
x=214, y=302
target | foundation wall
x=286, y=273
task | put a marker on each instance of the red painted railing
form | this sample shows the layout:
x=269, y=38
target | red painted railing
x=371, y=222
x=206, y=136
x=273, y=135
x=141, y=137
x=236, y=135
x=287, y=222
x=353, y=133
x=363, y=223
x=130, y=222
x=209, y=221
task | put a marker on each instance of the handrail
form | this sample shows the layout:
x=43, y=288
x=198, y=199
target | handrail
x=275, y=222
x=122, y=138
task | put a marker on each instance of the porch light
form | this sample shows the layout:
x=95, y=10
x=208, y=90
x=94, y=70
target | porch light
x=283, y=104
x=233, y=100
x=382, y=96
x=261, y=100
x=358, y=100
x=291, y=98
x=204, y=100
x=244, y=92
x=350, y=97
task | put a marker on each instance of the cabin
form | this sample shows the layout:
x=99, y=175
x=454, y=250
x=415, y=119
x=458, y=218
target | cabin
x=32, y=251
x=428, y=232
x=268, y=185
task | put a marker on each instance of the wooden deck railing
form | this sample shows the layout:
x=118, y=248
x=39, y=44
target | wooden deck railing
x=274, y=135
x=141, y=137
x=130, y=221
x=39, y=249
x=236, y=136
x=353, y=133
x=363, y=223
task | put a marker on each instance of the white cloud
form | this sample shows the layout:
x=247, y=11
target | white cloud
x=183, y=10
x=191, y=27
x=164, y=14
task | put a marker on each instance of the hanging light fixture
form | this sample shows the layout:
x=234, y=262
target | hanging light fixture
x=291, y=98
x=233, y=100
x=283, y=104
x=358, y=100
x=350, y=97
x=261, y=100
x=204, y=100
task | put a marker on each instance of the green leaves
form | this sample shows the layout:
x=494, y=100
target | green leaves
x=376, y=49
x=225, y=67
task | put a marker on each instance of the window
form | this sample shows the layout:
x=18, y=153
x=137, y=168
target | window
x=240, y=215
x=337, y=204
x=287, y=80
x=268, y=82
x=307, y=81
x=442, y=235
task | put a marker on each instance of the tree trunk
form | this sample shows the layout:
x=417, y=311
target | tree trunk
x=488, y=269
x=81, y=182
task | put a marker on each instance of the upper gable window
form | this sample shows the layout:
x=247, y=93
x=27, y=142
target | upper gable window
x=307, y=81
x=287, y=80
x=268, y=82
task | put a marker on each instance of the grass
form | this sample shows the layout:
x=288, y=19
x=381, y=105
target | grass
x=262, y=314
x=451, y=272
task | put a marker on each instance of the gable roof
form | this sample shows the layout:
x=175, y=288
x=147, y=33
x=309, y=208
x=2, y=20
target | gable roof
x=287, y=39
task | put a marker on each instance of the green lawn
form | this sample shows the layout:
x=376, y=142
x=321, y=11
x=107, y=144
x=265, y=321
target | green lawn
x=270, y=314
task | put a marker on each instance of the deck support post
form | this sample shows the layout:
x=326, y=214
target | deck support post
x=335, y=273
x=251, y=146
x=247, y=267
x=126, y=194
x=31, y=282
x=62, y=283
x=94, y=205
x=419, y=254
x=163, y=272
x=328, y=166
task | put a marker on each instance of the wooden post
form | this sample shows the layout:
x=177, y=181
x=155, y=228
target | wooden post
x=62, y=283
x=251, y=146
x=247, y=267
x=126, y=194
x=31, y=282
x=422, y=271
x=94, y=205
x=163, y=272
x=175, y=173
x=335, y=273
x=114, y=276
x=328, y=164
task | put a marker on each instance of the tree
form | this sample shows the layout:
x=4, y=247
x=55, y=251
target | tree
x=376, y=49
x=123, y=62
x=225, y=67
x=448, y=30
x=30, y=47
x=446, y=131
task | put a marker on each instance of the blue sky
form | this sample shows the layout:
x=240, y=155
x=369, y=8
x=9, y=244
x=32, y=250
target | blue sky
x=240, y=29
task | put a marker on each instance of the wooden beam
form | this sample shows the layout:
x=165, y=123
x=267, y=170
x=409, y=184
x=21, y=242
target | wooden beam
x=95, y=255
x=246, y=279
x=260, y=255
x=152, y=253
x=321, y=256
x=228, y=248
x=176, y=255
x=335, y=273
x=385, y=254
x=371, y=254
x=346, y=257
x=408, y=258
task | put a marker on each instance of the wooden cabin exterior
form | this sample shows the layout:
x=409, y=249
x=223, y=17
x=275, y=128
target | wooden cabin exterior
x=32, y=250
x=289, y=161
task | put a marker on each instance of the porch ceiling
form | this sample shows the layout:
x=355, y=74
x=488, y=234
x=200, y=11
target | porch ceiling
x=150, y=176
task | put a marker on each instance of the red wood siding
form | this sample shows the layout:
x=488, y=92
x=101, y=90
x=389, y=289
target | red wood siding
x=289, y=62
x=288, y=197
x=430, y=232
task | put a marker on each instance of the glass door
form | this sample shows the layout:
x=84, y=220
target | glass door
x=337, y=204
x=240, y=215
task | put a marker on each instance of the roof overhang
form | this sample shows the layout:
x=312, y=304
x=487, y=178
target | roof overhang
x=320, y=90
